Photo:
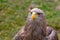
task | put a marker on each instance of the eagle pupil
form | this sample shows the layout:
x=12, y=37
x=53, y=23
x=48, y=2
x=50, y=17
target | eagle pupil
x=31, y=12
x=38, y=13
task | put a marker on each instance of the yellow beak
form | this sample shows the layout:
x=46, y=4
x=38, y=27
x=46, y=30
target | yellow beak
x=33, y=15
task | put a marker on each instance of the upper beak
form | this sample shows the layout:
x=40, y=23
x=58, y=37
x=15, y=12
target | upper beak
x=33, y=15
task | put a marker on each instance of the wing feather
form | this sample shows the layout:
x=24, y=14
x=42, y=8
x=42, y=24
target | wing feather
x=19, y=35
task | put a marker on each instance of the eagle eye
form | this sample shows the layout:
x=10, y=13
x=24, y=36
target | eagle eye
x=38, y=13
x=31, y=12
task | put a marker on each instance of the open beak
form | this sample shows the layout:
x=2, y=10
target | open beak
x=33, y=15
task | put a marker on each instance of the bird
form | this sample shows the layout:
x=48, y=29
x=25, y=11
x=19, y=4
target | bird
x=36, y=28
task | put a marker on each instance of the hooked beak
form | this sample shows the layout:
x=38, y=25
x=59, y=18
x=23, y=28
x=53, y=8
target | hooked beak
x=33, y=15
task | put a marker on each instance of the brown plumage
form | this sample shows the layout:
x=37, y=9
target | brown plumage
x=51, y=34
x=36, y=28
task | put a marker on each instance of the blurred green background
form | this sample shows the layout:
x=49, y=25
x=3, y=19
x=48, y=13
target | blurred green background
x=13, y=15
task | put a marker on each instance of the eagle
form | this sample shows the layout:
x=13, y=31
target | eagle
x=36, y=28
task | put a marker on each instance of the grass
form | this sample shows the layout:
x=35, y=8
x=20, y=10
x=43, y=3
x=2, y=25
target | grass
x=13, y=15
